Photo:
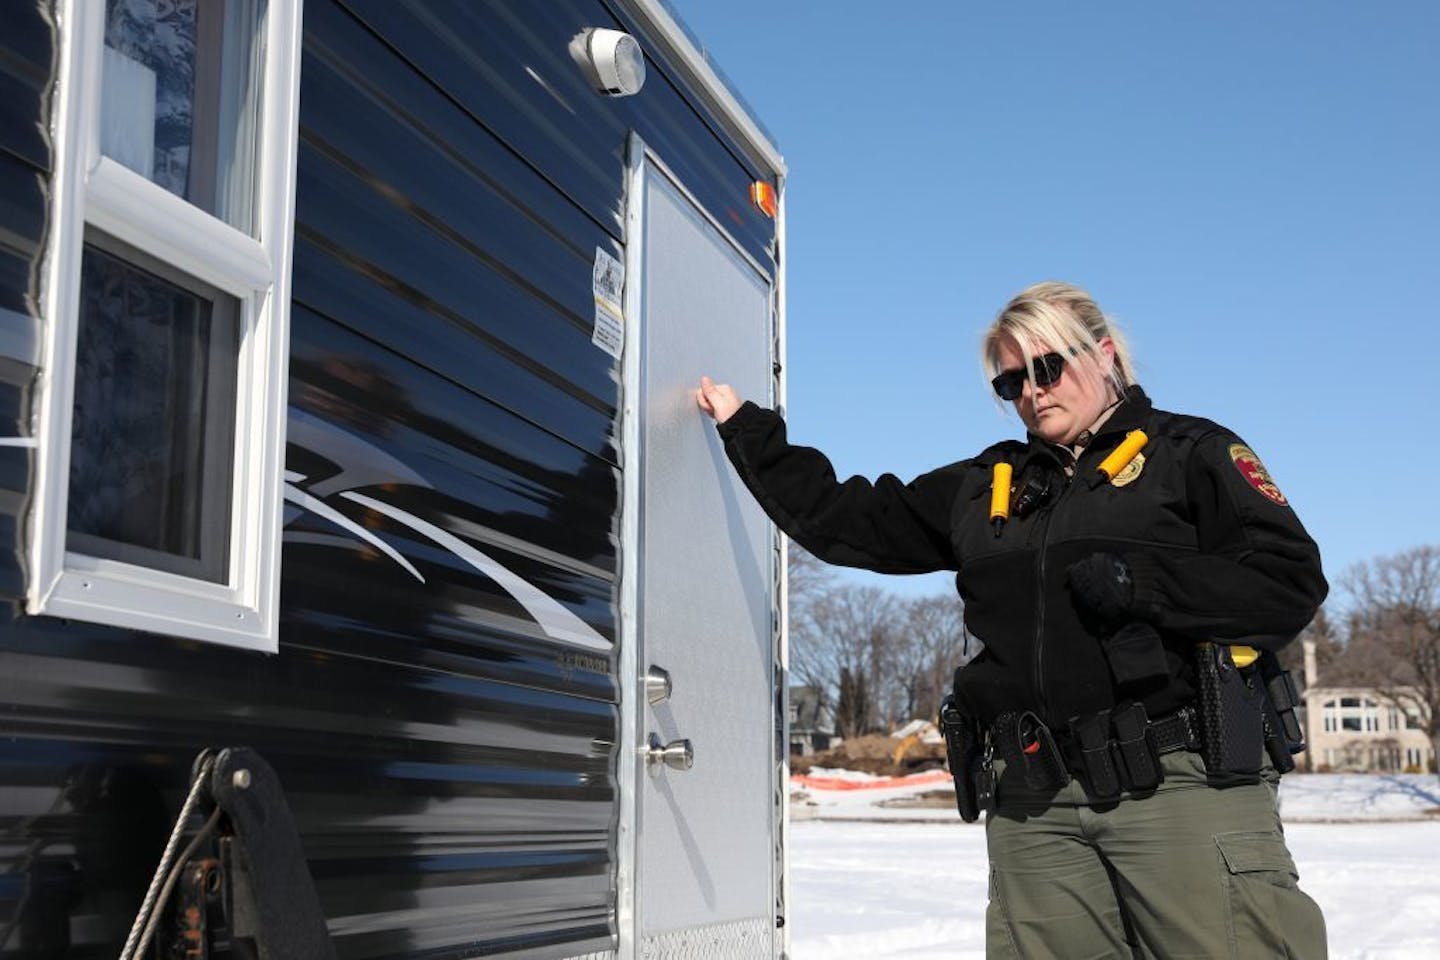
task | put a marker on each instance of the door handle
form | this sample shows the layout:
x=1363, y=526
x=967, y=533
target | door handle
x=677, y=754
x=657, y=685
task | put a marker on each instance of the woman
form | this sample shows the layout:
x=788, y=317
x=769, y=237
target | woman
x=1097, y=593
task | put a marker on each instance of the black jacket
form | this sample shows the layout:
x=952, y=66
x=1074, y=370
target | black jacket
x=1215, y=550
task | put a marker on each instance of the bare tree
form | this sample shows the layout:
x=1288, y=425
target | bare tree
x=1394, y=632
x=932, y=645
x=808, y=577
x=852, y=704
x=858, y=626
x=877, y=660
x=810, y=582
x=1329, y=652
x=841, y=642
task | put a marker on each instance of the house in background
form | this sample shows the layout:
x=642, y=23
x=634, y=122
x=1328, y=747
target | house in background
x=1358, y=730
x=812, y=721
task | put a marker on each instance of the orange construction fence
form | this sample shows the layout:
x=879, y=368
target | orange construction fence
x=879, y=783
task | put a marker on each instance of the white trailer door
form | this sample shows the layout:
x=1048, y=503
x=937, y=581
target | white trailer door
x=706, y=848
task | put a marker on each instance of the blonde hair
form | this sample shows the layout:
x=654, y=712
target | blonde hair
x=1064, y=318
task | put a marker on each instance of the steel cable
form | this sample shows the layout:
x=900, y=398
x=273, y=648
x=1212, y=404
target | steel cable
x=143, y=922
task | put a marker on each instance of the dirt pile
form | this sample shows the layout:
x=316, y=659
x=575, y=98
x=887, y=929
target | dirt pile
x=874, y=754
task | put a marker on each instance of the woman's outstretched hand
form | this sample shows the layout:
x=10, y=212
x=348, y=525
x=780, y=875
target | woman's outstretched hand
x=717, y=399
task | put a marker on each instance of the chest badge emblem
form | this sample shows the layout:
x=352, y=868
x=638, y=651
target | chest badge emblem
x=1130, y=471
x=1255, y=473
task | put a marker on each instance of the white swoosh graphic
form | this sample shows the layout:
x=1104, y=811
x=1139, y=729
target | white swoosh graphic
x=320, y=508
x=555, y=619
x=343, y=447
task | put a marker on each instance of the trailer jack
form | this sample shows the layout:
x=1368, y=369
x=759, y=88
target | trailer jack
x=241, y=887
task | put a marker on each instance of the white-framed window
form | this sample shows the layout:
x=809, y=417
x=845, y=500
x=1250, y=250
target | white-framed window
x=1353, y=714
x=161, y=408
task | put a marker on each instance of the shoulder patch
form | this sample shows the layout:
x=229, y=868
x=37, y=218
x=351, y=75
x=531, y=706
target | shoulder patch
x=1255, y=473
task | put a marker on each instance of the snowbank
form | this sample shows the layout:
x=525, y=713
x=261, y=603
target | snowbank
x=864, y=888
x=868, y=891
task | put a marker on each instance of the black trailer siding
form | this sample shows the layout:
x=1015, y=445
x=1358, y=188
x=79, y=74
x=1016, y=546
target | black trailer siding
x=27, y=58
x=450, y=764
x=27, y=61
x=531, y=501
x=420, y=230
x=27, y=52
x=418, y=792
x=506, y=64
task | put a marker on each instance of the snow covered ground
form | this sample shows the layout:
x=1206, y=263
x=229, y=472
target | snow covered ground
x=867, y=884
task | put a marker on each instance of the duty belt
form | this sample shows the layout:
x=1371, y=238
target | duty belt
x=1110, y=751
x=1178, y=731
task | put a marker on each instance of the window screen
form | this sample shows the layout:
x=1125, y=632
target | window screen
x=154, y=416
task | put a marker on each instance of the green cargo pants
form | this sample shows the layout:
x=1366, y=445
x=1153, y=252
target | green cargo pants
x=1189, y=871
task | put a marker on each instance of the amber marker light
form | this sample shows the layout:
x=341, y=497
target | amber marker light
x=1121, y=456
x=762, y=194
x=1000, y=496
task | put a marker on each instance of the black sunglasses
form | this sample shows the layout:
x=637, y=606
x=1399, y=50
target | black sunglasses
x=1011, y=383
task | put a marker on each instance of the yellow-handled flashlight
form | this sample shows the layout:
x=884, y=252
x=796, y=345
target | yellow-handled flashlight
x=1000, y=496
x=1121, y=456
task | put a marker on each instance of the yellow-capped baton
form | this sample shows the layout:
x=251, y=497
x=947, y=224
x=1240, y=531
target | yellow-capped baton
x=1120, y=457
x=1000, y=496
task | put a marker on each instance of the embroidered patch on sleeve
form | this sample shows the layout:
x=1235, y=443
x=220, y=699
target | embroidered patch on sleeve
x=1255, y=473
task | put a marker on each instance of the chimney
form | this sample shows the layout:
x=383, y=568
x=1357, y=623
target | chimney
x=1312, y=675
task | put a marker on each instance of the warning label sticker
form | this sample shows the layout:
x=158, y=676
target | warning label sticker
x=608, y=280
x=609, y=332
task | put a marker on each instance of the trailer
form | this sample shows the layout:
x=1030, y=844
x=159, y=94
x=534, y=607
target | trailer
x=352, y=484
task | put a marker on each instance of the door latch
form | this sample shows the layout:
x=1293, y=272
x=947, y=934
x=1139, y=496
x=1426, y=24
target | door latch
x=677, y=754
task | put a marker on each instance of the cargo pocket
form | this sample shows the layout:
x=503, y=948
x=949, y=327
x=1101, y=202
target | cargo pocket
x=1269, y=915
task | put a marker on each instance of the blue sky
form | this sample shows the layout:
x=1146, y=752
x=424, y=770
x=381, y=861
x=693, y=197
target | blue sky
x=1249, y=189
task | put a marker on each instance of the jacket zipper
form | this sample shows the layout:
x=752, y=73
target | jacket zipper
x=1044, y=709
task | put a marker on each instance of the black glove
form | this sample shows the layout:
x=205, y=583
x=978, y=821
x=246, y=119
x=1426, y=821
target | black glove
x=1102, y=586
